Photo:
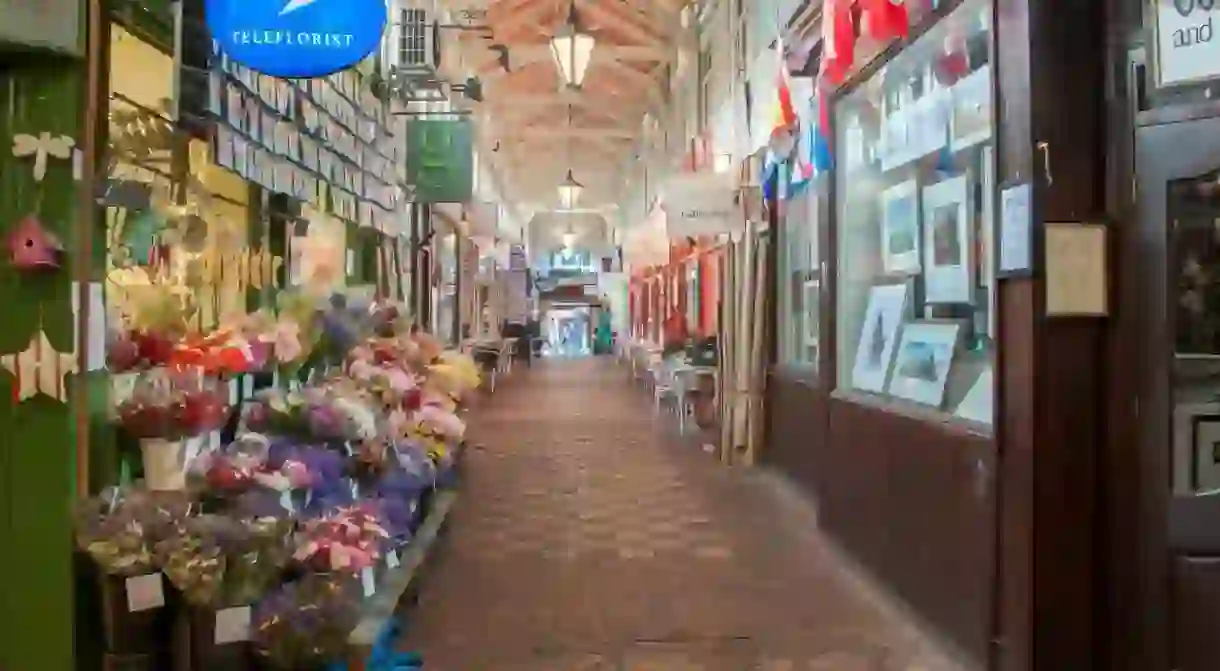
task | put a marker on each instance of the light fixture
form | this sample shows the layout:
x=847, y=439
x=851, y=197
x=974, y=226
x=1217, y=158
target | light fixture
x=569, y=191
x=723, y=163
x=572, y=49
x=569, y=239
x=569, y=188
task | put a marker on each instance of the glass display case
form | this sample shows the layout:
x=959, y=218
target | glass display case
x=915, y=216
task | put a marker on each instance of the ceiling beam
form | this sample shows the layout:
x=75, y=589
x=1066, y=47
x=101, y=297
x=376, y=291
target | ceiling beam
x=521, y=55
x=524, y=16
x=597, y=15
x=573, y=131
x=511, y=100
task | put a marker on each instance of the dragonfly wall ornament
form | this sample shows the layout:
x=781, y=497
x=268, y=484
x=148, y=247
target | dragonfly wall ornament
x=41, y=147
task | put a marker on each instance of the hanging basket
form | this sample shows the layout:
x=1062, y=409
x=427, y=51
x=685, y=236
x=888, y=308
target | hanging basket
x=164, y=464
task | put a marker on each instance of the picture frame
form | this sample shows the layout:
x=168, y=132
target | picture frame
x=1196, y=448
x=972, y=119
x=811, y=292
x=900, y=238
x=923, y=360
x=948, y=242
x=979, y=403
x=883, y=321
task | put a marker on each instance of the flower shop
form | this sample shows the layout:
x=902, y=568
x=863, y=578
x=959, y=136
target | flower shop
x=290, y=471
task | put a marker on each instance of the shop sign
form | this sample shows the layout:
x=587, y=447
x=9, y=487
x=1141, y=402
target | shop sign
x=1188, y=45
x=297, y=38
x=700, y=204
x=440, y=160
x=41, y=24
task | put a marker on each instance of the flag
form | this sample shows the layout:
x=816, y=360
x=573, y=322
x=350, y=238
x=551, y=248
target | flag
x=784, y=122
x=822, y=158
x=838, y=40
x=885, y=20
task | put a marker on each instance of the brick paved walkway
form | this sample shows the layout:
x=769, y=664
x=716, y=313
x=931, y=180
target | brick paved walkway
x=586, y=540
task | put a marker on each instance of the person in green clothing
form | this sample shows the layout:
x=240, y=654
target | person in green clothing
x=605, y=336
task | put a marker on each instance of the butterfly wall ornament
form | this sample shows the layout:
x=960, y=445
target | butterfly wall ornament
x=44, y=146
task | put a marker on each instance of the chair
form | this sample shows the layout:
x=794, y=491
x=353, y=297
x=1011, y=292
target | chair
x=685, y=382
x=662, y=382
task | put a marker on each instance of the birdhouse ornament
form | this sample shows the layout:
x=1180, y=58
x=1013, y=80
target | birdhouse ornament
x=32, y=248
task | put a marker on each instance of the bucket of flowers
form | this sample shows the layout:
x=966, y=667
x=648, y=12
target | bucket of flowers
x=304, y=625
x=170, y=411
x=221, y=565
x=119, y=530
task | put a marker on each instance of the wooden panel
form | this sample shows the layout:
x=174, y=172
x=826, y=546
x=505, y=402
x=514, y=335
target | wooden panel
x=797, y=427
x=1196, y=613
x=911, y=499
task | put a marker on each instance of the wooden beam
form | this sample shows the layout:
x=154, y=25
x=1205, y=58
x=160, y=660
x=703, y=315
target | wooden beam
x=598, y=16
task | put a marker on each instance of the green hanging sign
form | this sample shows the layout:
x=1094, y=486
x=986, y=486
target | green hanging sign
x=440, y=160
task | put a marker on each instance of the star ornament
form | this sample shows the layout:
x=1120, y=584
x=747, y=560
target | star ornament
x=40, y=369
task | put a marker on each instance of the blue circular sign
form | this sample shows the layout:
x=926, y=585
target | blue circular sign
x=297, y=38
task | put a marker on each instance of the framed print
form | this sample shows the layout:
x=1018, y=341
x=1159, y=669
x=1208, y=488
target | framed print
x=979, y=403
x=900, y=228
x=948, y=242
x=925, y=355
x=1196, y=448
x=811, y=302
x=887, y=305
x=971, y=121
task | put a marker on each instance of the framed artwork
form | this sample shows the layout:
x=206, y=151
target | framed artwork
x=900, y=228
x=987, y=228
x=979, y=403
x=948, y=242
x=811, y=301
x=925, y=355
x=1196, y=450
x=972, y=120
x=887, y=305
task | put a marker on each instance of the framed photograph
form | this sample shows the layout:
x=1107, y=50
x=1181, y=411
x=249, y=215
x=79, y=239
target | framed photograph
x=979, y=404
x=925, y=355
x=811, y=292
x=887, y=305
x=972, y=118
x=1196, y=450
x=987, y=228
x=948, y=242
x=900, y=228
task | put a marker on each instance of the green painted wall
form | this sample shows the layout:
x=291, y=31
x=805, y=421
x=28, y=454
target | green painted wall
x=37, y=459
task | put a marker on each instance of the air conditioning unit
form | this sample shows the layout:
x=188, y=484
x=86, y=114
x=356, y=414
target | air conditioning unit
x=419, y=39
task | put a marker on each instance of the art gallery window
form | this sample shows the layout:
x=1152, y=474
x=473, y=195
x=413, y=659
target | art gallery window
x=915, y=216
x=799, y=283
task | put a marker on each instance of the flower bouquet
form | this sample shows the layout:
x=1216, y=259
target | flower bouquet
x=349, y=540
x=156, y=324
x=304, y=625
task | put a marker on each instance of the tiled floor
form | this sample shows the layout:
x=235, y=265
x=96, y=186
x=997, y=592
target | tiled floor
x=585, y=539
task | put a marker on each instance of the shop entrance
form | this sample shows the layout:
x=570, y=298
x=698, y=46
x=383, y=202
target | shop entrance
x=1178, y=177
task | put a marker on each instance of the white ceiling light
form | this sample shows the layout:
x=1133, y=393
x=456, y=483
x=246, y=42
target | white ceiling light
x=569, y=239
x=572, y=49
x=569, y=191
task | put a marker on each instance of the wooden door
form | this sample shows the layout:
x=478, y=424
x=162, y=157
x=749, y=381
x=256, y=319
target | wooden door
x=1178, y=170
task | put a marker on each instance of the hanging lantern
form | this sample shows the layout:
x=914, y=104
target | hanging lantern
x=572, y=49
x=569, y=191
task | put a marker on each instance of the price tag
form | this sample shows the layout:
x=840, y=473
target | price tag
x=286, y=500
x=232, y=625
x=145, y=592
x=247, y=386
x=391, y=559
x=233, y=392
x=355, y=490
x=368, y=582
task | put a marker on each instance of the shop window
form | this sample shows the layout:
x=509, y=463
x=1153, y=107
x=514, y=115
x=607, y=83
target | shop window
x=799, y=283
x=915, y=217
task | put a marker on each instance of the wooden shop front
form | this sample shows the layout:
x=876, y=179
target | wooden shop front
x=951, y=419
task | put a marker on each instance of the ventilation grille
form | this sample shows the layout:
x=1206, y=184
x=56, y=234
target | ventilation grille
x=413, y=37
